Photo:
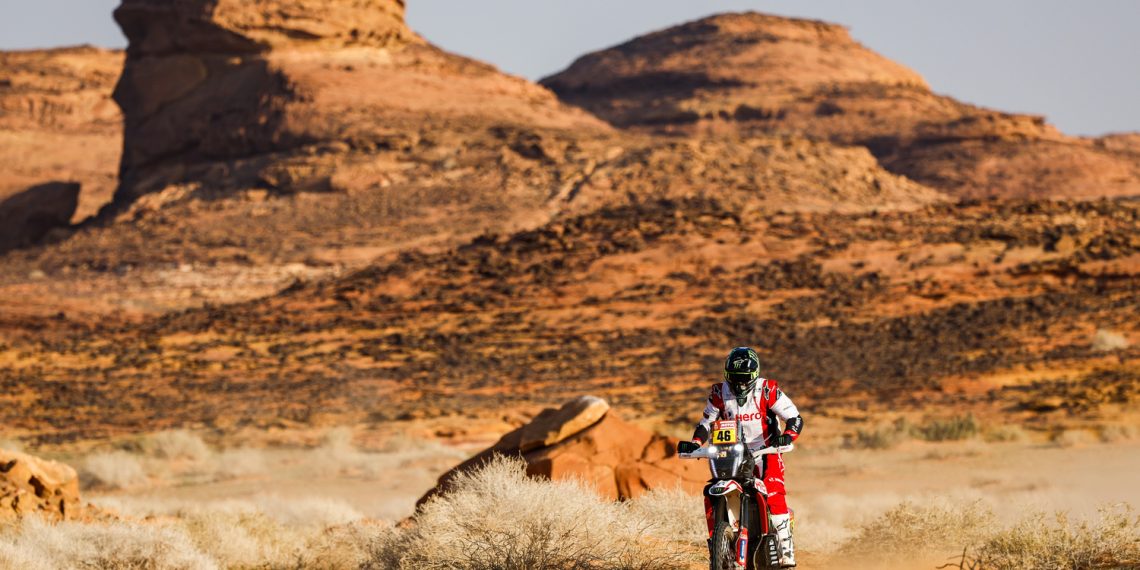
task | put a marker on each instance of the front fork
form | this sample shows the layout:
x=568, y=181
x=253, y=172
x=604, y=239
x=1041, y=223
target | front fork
x=734, y=506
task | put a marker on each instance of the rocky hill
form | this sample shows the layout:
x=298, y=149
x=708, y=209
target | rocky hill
x=759, y=74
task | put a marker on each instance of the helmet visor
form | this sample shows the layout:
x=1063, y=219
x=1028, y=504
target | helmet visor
x=740, y=379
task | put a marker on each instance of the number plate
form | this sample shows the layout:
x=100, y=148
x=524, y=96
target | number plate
x=724, y=432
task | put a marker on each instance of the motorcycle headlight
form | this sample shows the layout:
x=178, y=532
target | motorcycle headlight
x=738, y=447
x=713, y=449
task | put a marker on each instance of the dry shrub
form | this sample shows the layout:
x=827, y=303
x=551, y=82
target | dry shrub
x=344, y=547
x=1111, y=541
x=956, y=428
x=112, y=470
x=1073, y=438
x=880, y=437
x=910, y=528
x=252, y=539
x=311, y=512
x=36, y=545
x=956, y=451
x=176, y=444
x=239, y=539
x=1115, y=433
x=238, y=463
x=339, y=457
x=678, y=515
x=500, y=519
x=267, y=532
x=1005, y=433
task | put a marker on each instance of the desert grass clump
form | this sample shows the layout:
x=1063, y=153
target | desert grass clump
x=266, y=532
x=339, y=456
x=238, y=463
x=36, y=545
x=956, y=428
x=311, y=512
x=677, y=515
x=1115, y=433
x=885, y=436
x=345, y=547
x=500, y=519
x=176, y=444
x=1110, y=541
x=1005, y=433
x=239, y=538
x=112, y=470
x=1073, y=438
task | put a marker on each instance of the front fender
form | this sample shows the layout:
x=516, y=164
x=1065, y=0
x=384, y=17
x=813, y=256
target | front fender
x=722, y=488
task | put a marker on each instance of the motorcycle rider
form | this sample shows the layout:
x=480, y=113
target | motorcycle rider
x=756, y=403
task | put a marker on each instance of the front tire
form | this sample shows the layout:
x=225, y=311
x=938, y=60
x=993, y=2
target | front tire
x=722, y=555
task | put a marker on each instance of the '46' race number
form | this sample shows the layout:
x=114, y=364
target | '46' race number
x=724, y=432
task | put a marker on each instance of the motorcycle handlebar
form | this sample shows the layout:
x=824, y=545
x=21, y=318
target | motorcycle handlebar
x=705, y=452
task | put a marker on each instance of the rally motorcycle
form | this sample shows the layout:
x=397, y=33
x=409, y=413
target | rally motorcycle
x=742, y=536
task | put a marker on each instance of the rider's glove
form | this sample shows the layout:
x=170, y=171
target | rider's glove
x=782, y=440
x=687, y=446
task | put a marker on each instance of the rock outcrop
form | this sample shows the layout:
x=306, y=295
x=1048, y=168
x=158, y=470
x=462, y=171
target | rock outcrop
x=758, y=74
x=585, y=440
x=58, y=122
x=29, y=485
x=28, y=216
x=296, y=95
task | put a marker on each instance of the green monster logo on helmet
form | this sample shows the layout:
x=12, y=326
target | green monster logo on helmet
x=741, y=370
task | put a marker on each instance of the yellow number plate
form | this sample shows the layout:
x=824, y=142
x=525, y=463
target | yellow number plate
x=723, y=436
x=724, y=432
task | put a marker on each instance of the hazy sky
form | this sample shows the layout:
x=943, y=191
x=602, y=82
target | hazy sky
x=1077, y=62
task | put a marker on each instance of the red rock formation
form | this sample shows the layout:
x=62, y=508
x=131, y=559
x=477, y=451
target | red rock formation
x=29, y=485
x=617, y=458
x=282, y=94
x=759, y=74
x=28, y=216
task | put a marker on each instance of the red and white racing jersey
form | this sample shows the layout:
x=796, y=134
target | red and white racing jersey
x=753, y=414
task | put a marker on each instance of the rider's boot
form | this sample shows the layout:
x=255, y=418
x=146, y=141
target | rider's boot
x=783, y=526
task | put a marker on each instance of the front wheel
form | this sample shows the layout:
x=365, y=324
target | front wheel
x=722, y=555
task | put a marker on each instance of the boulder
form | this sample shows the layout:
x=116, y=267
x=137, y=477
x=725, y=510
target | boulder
x=30, y=485
x=553, y=426
x=28, y=216
x=620, y=460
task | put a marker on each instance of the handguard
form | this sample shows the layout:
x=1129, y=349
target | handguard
x=773, y=450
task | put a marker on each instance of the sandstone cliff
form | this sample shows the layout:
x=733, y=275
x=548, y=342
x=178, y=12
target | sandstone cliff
x=296, y=94
x=58, y=125
x=754, y=73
